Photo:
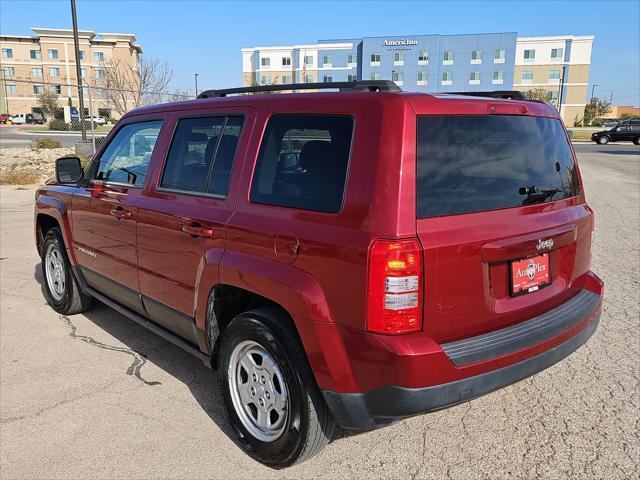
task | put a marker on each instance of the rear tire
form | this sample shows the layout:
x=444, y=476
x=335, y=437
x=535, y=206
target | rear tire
x=283, y=391
x=61, y=290
x=603, y=140
x=636, y=141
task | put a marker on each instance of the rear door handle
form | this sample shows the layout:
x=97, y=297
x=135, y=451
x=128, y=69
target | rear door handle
x=198, y=231
x=120, y=213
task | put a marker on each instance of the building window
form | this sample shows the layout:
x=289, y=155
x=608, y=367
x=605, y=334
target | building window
x=38, y=89
x=52, y=53
x=56, y=89
x=98, y=56
x=265, y=62
x=286, y=61
x=447, y=58
x=422, y=78
x=554, y=74
x=83, y=72
x=474, y=77
x=374, y=76
x=527, y=76
x=308, y=60
x=553, y=97
x=397, y=77
x=447, y=78
x=81, y=54
x=476, y=56
x=34, y=54
x=556, y=53
x=327, y=79
x=100, y=73
x=326, y=60
x=266, y=80
x=498, y=77
x=375, y=59
x=499, y=56
x=423, y=57
x=7, y=53
x=398, y=58
x=286, y=79
x=36, y=72
x=351, y=78
x=54, y=72
x=530, y=55
x=308, y=79
x=9, y=71
x=11, y=89
x=351, y=59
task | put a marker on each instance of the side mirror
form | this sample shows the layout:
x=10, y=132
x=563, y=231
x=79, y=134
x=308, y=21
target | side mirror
x=68, y=170
x=289, y=162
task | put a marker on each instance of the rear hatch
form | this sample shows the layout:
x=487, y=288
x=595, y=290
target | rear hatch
x=501, y=218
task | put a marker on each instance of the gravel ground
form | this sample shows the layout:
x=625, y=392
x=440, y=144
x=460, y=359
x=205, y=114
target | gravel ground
x=96, y=396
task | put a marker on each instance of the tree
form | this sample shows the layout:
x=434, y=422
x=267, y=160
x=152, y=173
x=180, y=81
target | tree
x=539, y=94
x=125, y=86
x=264, y=82
x=596, y=108
x=179, y=95
x=48, y=103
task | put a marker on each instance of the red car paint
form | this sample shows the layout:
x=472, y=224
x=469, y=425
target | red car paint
x=315, y=264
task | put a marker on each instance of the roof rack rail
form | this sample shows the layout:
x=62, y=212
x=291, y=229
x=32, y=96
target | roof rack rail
x=506, y=94
x=358, y=86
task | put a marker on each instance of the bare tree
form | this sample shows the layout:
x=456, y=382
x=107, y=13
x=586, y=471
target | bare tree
x=125, y=86
x=539, y=94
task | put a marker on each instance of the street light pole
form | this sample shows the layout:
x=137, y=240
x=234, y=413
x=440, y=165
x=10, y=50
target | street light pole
x=196, y=78
x=76, y=44
x=592, y=89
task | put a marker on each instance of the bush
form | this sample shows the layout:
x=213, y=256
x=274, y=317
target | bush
x=59, y=125
x=15, y=175
x=48, y=143
x=99, y=142
x=77, y=126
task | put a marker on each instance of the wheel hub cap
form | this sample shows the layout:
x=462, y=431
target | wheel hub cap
x=55, y=273
x=258, y=391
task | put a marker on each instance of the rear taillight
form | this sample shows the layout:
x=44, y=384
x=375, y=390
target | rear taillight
x=395, y=287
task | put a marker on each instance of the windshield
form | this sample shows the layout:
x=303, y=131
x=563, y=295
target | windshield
x=473, y=163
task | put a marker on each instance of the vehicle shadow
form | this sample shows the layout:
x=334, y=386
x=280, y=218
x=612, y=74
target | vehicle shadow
x=145, y=346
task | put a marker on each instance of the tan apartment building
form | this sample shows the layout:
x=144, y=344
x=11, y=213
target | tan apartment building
x=49, y=57
x=558, y=64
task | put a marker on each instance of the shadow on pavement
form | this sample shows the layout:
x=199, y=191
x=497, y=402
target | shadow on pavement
x=145, y=346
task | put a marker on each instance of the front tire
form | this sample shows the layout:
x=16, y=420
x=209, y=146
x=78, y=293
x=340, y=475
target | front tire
x=61, y=287
x=636, y=141
x=603, y=140
x=270, y=393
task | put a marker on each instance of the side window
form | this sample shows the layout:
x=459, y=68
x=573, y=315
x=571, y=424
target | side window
x=201, y=155
x=126, y=158
x=303, y=162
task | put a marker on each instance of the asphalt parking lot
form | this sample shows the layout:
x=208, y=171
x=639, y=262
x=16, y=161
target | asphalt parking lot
x=96, y=396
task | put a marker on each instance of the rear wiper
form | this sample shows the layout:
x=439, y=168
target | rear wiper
x=537, y=194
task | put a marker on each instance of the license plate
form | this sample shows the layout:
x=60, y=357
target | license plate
x=529, y=274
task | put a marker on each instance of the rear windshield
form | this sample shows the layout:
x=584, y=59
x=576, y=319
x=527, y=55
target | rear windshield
x=475, y=163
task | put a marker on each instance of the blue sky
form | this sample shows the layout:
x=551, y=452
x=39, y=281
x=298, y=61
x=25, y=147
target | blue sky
x=206, y=36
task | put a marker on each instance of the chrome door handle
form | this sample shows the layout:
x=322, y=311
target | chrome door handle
x=197, y=231
x=120, y=213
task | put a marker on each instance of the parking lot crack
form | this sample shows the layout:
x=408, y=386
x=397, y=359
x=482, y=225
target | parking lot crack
x=139, y=359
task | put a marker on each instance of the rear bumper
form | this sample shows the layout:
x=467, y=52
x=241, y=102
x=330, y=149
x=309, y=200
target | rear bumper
x=475, y=366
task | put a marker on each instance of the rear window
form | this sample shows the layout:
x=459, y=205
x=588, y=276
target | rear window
x=303, y=162
x=476, y=163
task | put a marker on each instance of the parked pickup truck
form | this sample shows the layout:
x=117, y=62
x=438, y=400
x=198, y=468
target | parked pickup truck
x=345, y=258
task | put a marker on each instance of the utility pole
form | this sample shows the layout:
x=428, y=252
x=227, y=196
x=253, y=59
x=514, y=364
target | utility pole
x=564, y=70
x=76, y=44
x=196, y=77
x=592, y=89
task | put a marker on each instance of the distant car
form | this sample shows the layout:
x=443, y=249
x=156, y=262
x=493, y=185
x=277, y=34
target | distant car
x=17, y=119
x=628, y=130
x=97, y=120
x=4, y=117
x=35, y=118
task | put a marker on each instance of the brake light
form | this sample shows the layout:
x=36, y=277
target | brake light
x=394, y=287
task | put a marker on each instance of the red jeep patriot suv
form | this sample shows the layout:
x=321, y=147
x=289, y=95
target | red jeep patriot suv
x=347, y=258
